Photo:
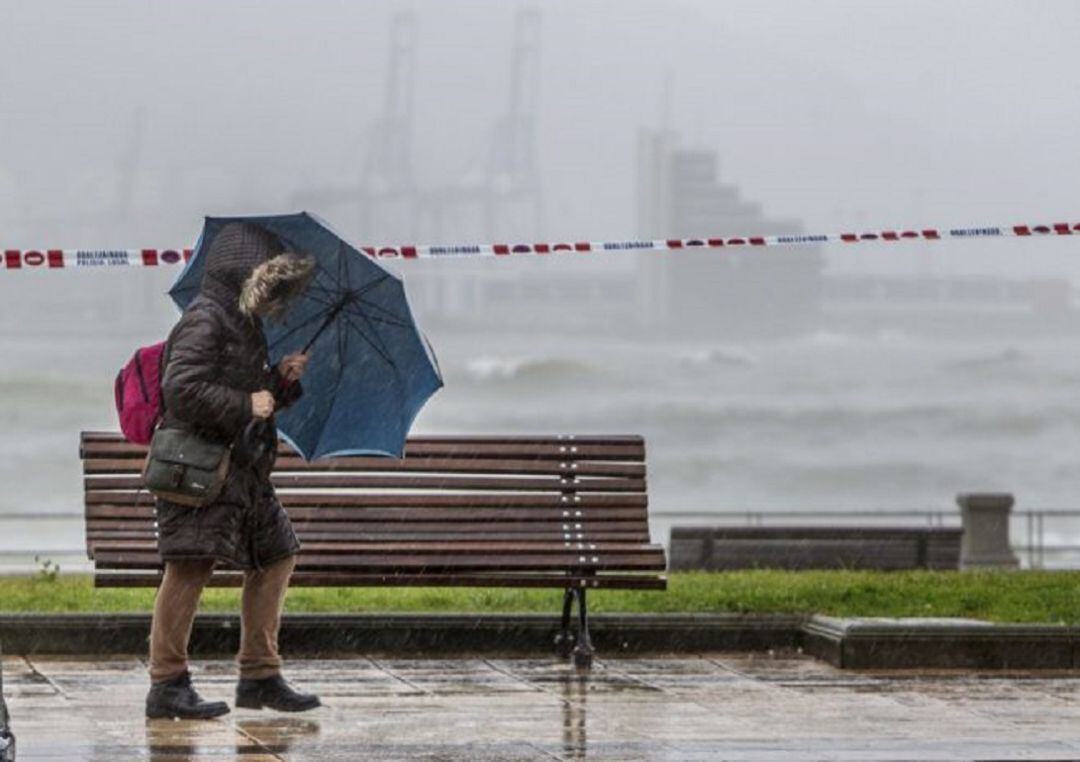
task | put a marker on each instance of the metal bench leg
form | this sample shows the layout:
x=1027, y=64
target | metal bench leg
x=564, y=641
x=583, y=651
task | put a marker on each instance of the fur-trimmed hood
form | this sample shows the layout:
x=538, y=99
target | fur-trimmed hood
x=273, y=284
x=247, y=269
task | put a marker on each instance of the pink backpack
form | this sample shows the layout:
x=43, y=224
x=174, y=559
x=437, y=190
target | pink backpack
x=138, y=394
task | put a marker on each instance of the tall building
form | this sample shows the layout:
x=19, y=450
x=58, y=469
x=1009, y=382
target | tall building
x=680, y=196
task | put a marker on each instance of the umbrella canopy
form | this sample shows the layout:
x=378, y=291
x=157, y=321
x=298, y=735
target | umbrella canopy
x=371, y=370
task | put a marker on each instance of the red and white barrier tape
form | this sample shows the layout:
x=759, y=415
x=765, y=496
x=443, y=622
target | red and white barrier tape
x=14, y=259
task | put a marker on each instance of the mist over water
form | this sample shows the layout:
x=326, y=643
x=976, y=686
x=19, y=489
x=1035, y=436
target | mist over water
x=834, y=417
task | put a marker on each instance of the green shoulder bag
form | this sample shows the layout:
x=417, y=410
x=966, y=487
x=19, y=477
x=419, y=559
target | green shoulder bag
x=184, y=468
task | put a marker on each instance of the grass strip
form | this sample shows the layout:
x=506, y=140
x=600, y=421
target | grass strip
x=1000, y=596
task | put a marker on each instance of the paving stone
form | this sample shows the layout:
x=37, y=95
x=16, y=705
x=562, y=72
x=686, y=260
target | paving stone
x=712, y=706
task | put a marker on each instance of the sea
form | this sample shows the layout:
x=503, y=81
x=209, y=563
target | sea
x=849, y=415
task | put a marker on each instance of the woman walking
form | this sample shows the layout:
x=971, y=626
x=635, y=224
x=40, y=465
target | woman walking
x=217, y=383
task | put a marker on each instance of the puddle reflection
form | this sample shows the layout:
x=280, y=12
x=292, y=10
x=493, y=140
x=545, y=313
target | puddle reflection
x=575, y=686
x=184, y=741
x=278, y=734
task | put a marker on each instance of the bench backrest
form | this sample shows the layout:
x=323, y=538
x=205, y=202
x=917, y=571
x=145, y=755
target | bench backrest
x=543, y=489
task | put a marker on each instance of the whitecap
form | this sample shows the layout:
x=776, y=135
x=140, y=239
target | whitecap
x=718, y=356
x=492, y=368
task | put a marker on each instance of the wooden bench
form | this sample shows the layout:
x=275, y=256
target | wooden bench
x=566, y=512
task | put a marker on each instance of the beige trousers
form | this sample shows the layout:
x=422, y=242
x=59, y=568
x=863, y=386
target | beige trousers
x=260, y=617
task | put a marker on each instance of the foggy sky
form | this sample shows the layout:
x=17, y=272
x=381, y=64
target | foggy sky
x=844, y=115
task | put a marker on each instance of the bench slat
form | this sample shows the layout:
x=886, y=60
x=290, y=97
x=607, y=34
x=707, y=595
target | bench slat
x=397, y=531
x=384, y=481
x=624, y=531
x=345, y=579
x=428, y=532
x=408, y=499
x=128, y=472
x=589, y=532
x=434, y=562
x=551, y=450
x=406, y=548
x=376, y=528
x=637, y=539
x=94, y=437
x=406, y=515
x=381, y=528
x=296, y=468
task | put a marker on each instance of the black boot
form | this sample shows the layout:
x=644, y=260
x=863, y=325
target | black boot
x=273, y=693
x=176, y=698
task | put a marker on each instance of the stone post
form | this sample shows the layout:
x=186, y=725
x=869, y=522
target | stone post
x=986, y=530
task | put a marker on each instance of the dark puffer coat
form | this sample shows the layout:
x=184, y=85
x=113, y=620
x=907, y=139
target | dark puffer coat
x=215, y=358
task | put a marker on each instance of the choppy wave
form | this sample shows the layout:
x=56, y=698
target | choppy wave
x=1010, y=358
x=831, y=339
x=889, y=480
x=730, y=357
x=493, y=368
x=57, y=388
x=920, y=428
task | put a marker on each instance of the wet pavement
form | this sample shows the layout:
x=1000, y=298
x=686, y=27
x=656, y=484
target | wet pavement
x=712, y=706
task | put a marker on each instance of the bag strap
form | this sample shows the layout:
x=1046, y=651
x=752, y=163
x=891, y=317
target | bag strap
x=118, y=391
x=139, y=375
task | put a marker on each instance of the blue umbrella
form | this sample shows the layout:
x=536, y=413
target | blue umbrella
x=371, y=370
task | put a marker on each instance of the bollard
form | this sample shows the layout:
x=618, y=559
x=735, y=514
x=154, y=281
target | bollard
x=986, y=530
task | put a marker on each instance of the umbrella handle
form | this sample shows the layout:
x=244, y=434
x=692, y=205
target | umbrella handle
x=252, y=447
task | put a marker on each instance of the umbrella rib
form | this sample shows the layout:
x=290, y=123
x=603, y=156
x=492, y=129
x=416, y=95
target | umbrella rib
x=375, y=305
x=351, y=308
x=342, y=277
x=325, y=301
x=345, y=307
x=379, y=350
x=317, y=316
x=353, y=295
x=336, y=280
x=332, y=396
x=379, y=308
x=324, y=290
x=356, y=294
x=375, y=333
x=317, y=287
x=358, y=312
x=377, y=346
x=342, y=343
x=372, y=284
x=382, y=321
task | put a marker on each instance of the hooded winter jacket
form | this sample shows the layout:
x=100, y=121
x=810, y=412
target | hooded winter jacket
x=215, y=358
